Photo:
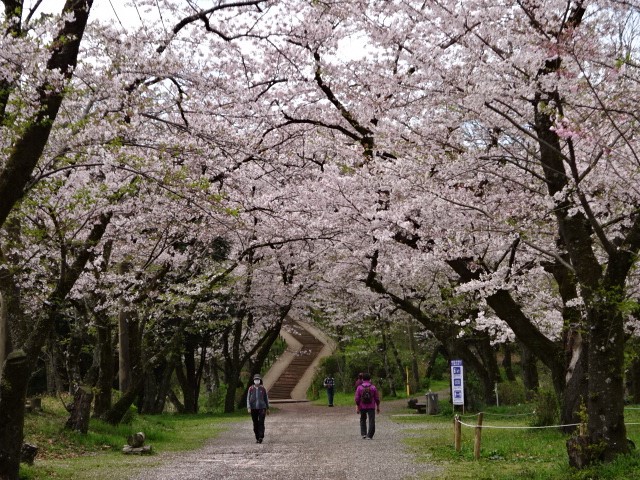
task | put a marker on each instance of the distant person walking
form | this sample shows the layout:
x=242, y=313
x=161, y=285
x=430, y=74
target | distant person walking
x=329, y=384
x=258, y=406
x=358, y=381
x=367, y=404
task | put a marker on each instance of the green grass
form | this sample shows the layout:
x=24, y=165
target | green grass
x=536, y=454
x=507, y=454
x=98, y=455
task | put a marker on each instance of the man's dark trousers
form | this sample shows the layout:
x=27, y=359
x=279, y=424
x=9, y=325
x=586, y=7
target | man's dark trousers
x=330, y=395
x=258, y=422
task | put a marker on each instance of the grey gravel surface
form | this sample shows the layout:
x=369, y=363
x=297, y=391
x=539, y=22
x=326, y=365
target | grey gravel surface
x=302, y=441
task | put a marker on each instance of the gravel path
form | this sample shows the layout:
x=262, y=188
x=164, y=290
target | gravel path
x=302, y=441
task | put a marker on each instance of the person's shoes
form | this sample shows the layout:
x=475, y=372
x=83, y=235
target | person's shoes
x=364, y=437
x=259, y=440
x=331, y=405
x=369, y=438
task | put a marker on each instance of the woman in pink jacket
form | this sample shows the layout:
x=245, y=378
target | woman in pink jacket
x=367, y=405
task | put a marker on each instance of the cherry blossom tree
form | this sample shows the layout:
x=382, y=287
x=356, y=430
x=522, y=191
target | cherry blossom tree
x=471, y=164
x=502, y=134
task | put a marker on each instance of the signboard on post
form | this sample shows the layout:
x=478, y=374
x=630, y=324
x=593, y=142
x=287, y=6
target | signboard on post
x=457, y=382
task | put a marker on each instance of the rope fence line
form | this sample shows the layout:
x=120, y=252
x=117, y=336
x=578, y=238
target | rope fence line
x=514, y=427
x=499, y=414
x=457, y=430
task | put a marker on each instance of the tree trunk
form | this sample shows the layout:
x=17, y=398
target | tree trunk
x=634, y=380
x=506, y=362
x=163, y=389
x=574, y=342
x=124, y=348
x=157, y=385
x=385, y=356
x=489, y=360
x=81, y=410
x=149, y=393
x=414, y=356
x=4, y=335
x=173, y=398
x=394, y=351
x=13, y=392
x=10, y=308
x=529, y=368
x=18, y=372
x=575, y=392
x=233, y=381
x=432, y=360
x=186, y=384
x=605, y=404
x=117, y=412
x=105, y=365
x=190, y=378
x=55, y=359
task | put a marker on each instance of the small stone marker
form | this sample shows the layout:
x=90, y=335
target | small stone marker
x=32, y=404
x=28, y=453
x=135, y=444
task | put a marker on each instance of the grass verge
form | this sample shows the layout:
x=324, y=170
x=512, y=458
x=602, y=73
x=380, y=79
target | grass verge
x=508, y=453
x=98, y=455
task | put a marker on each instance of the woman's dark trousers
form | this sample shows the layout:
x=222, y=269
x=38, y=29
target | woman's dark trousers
x=369, y=413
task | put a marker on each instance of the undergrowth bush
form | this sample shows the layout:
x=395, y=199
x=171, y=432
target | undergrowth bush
x=547, y=410
x=511, y=393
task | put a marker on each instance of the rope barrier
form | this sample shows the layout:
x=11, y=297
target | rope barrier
x=499, y=414
x=509, y=414
x=525, y=428
x=517, y=427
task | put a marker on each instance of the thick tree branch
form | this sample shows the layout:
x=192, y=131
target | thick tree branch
x=26, y=152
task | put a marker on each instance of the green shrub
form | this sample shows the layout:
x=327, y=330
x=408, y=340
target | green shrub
x=547, y=410
x=130, y=415
x=440, y=367
x=214, y=401
x=446, y=408
x=511, y=393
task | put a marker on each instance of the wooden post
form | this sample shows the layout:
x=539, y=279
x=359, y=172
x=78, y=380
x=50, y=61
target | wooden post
x=457, y=432
x=476, y=444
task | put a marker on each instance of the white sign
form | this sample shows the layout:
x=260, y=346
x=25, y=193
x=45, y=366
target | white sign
x=457, y=382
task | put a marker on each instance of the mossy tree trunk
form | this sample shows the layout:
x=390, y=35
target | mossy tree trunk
x=81, y=410
x=602, y=284
x=507, y=363
x=104, y=336
x=529, y=366
x=13, y=388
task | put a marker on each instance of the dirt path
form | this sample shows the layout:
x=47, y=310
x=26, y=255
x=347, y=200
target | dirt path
x=302, y=441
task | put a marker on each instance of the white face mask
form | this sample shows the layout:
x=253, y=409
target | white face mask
x=256, y=382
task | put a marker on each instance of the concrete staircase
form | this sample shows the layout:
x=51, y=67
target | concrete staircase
x=292, y=374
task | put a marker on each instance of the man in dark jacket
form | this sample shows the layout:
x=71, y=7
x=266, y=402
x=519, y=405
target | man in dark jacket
x=258, y=406
x=329, y=384
x=367, y=404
